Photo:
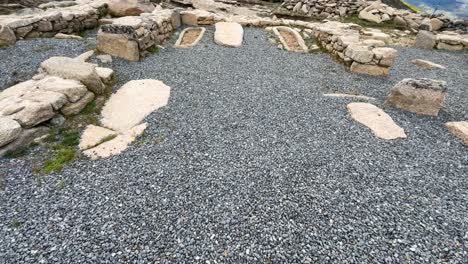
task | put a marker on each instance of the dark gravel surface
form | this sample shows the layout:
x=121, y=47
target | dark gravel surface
x=249, y=163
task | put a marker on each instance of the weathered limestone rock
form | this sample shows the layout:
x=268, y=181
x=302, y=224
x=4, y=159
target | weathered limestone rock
x=117, y=144
x=84, y=57
x=66, y=36
x=446, y=46
x=75, y=108
x=370, y=17
x=9, y=130
x=69, y=68
x=133, y=102
x=7, y=36
x=436, y=24
x=229, y=34
x=24, y=139
x=72, y=89
x=426, y=64
x=422, y=96
x=381, y=124
x=104, y=58
x=386, y=56
x=459, y=129
x=369, y=69
x=118, y=45
x=359, y=53
x=33, y=113
x=122, y=8
x=425, y=40
x=106, y=74
x=95, y=135
x=18, y=89
x=56, y=100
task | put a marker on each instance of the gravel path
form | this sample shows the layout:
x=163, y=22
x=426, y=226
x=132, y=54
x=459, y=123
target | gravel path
x=249, y=163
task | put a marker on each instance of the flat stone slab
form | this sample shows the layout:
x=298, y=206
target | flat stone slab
x=381, y=124
x=427, y=64
x=115, y=145
x=95, y=135
x=133, y=102
x=459, y=129
x=228, y=34
x=356, y=96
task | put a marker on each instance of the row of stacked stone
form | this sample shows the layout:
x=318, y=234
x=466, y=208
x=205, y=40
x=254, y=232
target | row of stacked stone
x=65, y=20
x=364, y=50
x=130, y=37
x=325, y=8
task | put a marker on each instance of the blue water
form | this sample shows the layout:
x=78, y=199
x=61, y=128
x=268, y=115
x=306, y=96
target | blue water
x=456, y=7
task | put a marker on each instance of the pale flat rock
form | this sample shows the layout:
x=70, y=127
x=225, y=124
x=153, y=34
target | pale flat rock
x=94, y=135
x=427, y=64
x=69, y=68
x=229, y=34
x=117, y=144
x=459, y=129
x=381, y=124
x=84, y=57
x=72, y=89
x=104, y=58
x=57, y=100
x=18, y=89
x=106, y=74
x=66, y=36
x=33, y=113
x=133, y=102
x=9, y=130
x=356, y=96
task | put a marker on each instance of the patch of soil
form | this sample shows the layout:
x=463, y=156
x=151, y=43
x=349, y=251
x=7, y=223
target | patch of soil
x=190, y=36
x=290, y=40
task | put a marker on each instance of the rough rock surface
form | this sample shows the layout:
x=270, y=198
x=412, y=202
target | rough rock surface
x=459, y=129
x=9, y=130
x=94, y=135
x=118, y=45
x=421, y=95
x=121, y=8
x=69, y=68
x=381, y=124
x=229, y=34
x=425, y=64
x=133, y=102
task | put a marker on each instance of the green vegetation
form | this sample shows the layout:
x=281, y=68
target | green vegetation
x=153, y=49
x=63, y=156
x=90, y=108
x=15, y=223
x=356, y=20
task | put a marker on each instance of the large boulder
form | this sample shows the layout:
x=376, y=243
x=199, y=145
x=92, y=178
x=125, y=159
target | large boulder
x=229, y=34
x=120, y=8
x=381, y=124
x=359, y=53
x=369, y=69
x=425, y=40
x=422, y=96
x=118, y=45
x=69, y=68
x=24, y=139
x=9, y=130
x=33, y=113
x=7, y=36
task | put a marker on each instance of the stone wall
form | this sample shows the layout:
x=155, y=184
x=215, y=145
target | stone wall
x=130, y=37
x=72, y=19
x=363, y=50
x=325, y=8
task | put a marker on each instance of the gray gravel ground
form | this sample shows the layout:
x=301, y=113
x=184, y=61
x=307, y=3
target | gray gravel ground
x=255, y=166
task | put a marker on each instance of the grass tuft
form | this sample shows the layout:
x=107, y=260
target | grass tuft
x=63, y=156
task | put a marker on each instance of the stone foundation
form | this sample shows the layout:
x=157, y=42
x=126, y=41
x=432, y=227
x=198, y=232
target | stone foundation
x=130, y=37
x=73, y=19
